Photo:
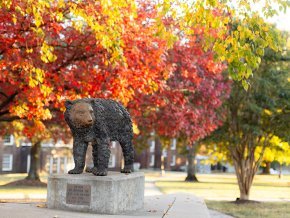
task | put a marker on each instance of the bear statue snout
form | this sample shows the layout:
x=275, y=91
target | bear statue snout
x=90, y=121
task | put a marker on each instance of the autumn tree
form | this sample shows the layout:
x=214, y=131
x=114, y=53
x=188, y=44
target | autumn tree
x=255, y=118
x=186, y=105
x=65, y=60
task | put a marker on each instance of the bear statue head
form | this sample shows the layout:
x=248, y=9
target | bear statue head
x=79, y=113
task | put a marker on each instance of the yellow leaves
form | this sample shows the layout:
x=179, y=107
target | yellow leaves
x=21, y=110
x=59, y=16
x=267, y=112
x=45, y=90
x=47, y=55
x=29, y=50
x=136, y=130
x=37, y=16
x=7, y=3
x=36, y=77
x=276, y=150
x=14, y=19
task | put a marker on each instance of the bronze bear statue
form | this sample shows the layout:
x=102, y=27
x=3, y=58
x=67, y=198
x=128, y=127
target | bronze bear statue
x=99, y=121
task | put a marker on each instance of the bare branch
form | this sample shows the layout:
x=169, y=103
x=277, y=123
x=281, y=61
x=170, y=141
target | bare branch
x=8, y=100
x=9, y=119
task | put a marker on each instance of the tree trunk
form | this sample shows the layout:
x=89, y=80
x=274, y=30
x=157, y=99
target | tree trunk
x=280, y=171
x=34, y=162
x=266, y=169
x=245, y=175
x=191, y=171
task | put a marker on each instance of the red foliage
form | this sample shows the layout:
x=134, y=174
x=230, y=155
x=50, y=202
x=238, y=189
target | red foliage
x=189, y=104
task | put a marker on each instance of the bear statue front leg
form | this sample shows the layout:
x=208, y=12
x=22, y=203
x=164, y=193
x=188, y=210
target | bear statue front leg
x=79, y=154
x=101, y=156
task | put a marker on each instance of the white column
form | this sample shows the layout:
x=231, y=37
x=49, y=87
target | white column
x=58, y=164
x=50, y=164
x=65, y=164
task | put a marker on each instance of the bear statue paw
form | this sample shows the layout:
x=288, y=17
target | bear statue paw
x=99, y=172
x=127, y=169
x=75, y=171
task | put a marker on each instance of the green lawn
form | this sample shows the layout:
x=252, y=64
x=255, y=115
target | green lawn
x=220, y=190
x=224, y=187
x=20, y=192
x=256, y=210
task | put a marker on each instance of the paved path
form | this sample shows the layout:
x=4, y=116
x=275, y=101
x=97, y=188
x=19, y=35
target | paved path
x=153, y=197
x=152, y=190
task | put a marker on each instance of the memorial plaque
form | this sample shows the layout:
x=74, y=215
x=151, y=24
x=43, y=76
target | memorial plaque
x=78, y=194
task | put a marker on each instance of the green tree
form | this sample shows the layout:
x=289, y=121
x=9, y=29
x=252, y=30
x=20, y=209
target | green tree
x=254, y=118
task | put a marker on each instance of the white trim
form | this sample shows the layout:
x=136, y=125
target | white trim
x=58, y=165
x=173, y=160
x=152, y=160
x=24, y=144
x=164, y=152
x=152, y=146
x=28, y=163
x=173, y=144
x=11, y=140
x=10, y=162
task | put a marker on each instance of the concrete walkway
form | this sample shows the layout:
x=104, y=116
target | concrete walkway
x=156, y=205
x=152, y=190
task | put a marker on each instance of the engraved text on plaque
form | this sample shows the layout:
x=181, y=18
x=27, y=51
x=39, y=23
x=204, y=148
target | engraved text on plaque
x=78, y=194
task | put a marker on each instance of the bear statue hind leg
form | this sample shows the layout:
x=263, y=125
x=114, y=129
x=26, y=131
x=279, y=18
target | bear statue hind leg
x=100, y=172
x=127, y=169
x=128, y=153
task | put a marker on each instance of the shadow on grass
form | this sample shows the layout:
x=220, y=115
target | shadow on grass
x=283, y=185
x=25, y=182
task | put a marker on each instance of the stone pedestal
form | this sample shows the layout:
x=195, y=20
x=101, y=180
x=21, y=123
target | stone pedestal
x=113, y=194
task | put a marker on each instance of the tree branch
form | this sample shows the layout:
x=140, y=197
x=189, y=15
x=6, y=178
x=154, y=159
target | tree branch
x=8, y=100
x=9, y=119
x=4, y=112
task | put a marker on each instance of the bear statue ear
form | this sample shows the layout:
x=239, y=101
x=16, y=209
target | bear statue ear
x=68, y=104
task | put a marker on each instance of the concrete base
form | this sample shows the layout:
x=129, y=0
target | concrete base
x=113, y=194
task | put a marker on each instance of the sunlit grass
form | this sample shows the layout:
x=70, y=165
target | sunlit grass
x=7, y=178
x=256, y=210
x=224, y=187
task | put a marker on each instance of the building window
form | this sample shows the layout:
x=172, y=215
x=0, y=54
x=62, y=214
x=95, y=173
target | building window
x=112, y=161
x=152, y=160
x=8, y=140
x=7, y=162
x=164, y=152
x=152, y=146
x=26, y=143
x=173, y=160
x=173, y=144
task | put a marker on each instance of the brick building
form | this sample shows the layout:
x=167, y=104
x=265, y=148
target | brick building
x=54, y=157
x=154, y=155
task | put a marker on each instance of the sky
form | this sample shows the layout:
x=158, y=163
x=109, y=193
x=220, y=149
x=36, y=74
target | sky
x=282, y=21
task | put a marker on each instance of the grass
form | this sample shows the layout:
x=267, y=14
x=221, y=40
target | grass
x=221, y=190
x=218, y=190
x=20, y=192
x=224, y=187
x=254, y=210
